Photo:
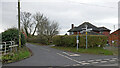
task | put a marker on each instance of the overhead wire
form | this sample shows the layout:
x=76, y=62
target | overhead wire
x=92, y=4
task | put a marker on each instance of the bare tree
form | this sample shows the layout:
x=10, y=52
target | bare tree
x=48, y=29
x=26, y=22
x=37, y=20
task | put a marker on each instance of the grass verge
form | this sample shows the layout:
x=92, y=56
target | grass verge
x=21, y=54
x=97, y=51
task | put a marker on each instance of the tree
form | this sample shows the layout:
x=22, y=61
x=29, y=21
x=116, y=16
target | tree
x=44, y=27
x=26, y=22
x=37, y=20
x=48, y=29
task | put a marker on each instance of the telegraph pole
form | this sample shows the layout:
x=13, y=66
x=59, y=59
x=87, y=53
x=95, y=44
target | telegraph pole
x=19, y=23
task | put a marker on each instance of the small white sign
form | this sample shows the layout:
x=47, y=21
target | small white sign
x=1, y=46
x=77, y=41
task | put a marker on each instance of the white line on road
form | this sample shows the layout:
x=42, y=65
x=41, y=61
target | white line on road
x=85, y=63
x=111, y=60
x=69, y=58
x=103, y=61
x=98, y=60
x=76, y=64
x=115, y=58
x=106, y=59
x=90, y=60
x=95, y=62
x=71, y=54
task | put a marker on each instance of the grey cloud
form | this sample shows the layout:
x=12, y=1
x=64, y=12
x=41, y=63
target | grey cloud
x=66, y=13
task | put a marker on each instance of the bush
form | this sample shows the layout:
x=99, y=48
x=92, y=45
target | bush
x=12, y=35
x=70, y=41
x=38, y=39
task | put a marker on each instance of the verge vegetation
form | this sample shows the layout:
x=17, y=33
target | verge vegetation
x=97, y=51
x=17, y=53
x=96, y=44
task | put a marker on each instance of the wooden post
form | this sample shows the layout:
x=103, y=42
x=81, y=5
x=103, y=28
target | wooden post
x=19, y=23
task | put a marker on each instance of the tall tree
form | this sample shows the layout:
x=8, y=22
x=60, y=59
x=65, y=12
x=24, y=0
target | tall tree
x=48, y=29
x=26, y=22
x=37, y=20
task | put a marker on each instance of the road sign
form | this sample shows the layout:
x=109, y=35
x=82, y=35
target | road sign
x=77, y=41
x=86, y=30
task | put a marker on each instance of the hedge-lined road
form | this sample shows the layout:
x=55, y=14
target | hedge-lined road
x=46, y=56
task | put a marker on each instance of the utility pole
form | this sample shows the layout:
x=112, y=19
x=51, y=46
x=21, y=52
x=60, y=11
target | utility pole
x=19, y=23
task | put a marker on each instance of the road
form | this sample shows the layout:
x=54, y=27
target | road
x=47, y=56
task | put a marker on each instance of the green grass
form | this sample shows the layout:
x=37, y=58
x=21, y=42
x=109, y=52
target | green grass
x=98, y=51
x=16, y=56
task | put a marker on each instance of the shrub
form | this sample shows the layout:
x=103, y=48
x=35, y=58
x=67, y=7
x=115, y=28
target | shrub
x=12, y=35
x=38, y=39
x=93, y=41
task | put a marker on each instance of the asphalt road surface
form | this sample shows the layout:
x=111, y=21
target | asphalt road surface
x=47, y=56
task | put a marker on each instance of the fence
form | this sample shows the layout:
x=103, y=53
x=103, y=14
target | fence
x=7, y=47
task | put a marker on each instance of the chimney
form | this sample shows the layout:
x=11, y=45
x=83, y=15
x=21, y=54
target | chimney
x=72, y=26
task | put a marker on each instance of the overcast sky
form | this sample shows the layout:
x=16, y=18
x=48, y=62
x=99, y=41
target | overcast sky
x=65, y=12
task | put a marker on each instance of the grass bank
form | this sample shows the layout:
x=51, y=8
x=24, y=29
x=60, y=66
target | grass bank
x=21, y=54
x=97, y=51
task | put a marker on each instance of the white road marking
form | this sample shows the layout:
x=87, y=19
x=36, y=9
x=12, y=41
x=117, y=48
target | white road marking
x=66, y=53
x=80, y=62
x=111, y=60
x=68, y=58
x=95, y=62
x=115, y=58
x=103, y=61
x=75, y=55
x=106, y=59
x=91, y=60
x=98, y=60
x=71, y=54
x=76, y=64
x=85, y=63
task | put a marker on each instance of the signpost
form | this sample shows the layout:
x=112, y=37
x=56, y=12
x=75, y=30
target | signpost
x=77, y=40
x=86, y=30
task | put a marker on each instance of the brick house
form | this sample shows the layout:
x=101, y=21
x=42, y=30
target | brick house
x=114, y=38
x=95, y=30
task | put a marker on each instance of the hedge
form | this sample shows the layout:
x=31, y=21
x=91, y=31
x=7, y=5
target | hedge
x=70, y=40
x=11, y=34
x=38, y=39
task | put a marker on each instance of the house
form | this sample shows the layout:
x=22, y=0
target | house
x=114, y=38
x=95, y=30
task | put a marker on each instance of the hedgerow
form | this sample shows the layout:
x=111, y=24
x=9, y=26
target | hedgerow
x=70, y=40
x=11, y=34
